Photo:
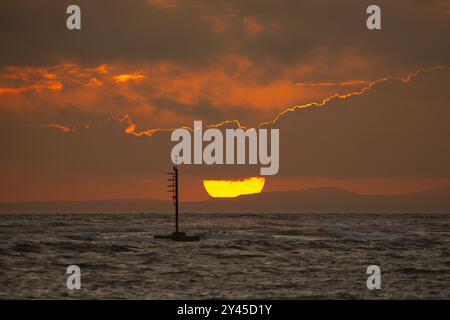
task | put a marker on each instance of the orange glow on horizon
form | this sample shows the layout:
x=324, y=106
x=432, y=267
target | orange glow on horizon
x=233, y=188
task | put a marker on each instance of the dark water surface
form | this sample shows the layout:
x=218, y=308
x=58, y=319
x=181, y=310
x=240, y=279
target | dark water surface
x=239, y=256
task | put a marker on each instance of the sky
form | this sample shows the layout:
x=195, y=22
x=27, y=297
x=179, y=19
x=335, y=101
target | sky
x=81, y=111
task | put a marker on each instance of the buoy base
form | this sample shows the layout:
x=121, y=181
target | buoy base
x=178, y=236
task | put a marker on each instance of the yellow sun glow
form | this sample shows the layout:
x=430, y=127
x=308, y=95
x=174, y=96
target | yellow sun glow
x=233, y=188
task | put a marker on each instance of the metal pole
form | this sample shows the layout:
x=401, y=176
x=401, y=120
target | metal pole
x=176, y=198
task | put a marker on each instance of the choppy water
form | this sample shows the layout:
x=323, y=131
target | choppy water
x=239, y=256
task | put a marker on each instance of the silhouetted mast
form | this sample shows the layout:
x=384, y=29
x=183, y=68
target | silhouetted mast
x=177, y=235
x=174, y=190
x=175, y=169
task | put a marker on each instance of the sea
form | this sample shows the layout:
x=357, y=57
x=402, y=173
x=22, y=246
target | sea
x=239, y=256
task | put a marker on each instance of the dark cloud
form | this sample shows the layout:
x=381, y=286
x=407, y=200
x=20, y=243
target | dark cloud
x=111, y=30
x=136, y=31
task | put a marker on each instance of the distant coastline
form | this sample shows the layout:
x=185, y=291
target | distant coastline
x=320, y=200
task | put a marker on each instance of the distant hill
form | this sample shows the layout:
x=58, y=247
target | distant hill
x=321, y=200
x=95, y=206
x=329, y=200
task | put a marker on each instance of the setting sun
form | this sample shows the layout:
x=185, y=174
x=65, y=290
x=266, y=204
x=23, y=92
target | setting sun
x=233, y=188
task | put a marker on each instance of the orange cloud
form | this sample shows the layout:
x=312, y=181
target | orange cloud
x=95, y=82
x=17, y=80
x=60, y=127
x=163, y=4
x=445, y=4
x=39, y=87
x=370, y=85
x=127, y=77
x=232, y=86
x=220, y=23
x=254, y=27
x=228, y=20
x=333, y=83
